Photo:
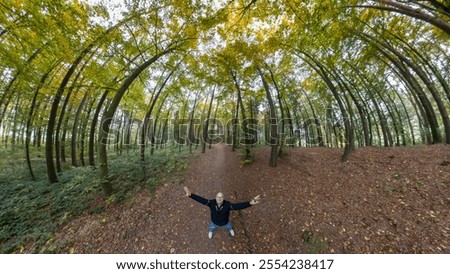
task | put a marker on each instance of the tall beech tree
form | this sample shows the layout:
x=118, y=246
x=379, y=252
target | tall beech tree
x=109, y=115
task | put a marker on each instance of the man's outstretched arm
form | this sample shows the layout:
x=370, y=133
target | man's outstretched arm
x=194, y=197
x=239, y=206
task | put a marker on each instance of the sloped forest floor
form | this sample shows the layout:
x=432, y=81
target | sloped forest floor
x=382, y=200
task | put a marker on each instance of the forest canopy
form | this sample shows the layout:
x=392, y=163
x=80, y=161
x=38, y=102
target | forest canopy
x=83, y=77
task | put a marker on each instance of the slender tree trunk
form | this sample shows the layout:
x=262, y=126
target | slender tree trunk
x=145, y=125
x=60, y=143
x=415, y=13
x=83, y=132
x=165, y=133
x=316, y=122
x=291, y=125
x=243, y=116
x=15, y=122
x=280, y=105
x=215, y=122
x=118, y=138
x=361, y=110
x=128, y=131
x=235, y=127
x=273, y=123
x=30, y=119
x=198, y=136
x=91, y=149
x=154, y=133
x=408, y=119
x=206, y=127
x=28, y=131
x=191, y=132
x=73, y=143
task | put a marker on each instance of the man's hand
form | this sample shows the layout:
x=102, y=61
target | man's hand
x=255, y=200
x=188, y=193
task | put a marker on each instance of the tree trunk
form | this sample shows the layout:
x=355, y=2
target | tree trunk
x=282, y=136
x=273, y=138
x=73, y=143
x=215, y=122
x=430, y=86
x=415, y=13
x=316, y=122
x=145, y=125
x=52, y=177
x=191, y=129
x=83, y=132
x=235, y=127
x=106, y=120
x=91, y=149
x=7, y=94
x=154, y=135
x=30, y=118
x=206, y=127
x=243, y=116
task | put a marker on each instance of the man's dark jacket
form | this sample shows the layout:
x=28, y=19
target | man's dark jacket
x=220, y=215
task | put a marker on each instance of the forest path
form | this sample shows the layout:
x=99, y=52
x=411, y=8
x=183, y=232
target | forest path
x=182, y=223
x=168, y=221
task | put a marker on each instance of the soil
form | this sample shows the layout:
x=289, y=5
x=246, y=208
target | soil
x=382, y=200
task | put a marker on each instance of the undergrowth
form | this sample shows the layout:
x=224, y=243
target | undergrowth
x=31, y=211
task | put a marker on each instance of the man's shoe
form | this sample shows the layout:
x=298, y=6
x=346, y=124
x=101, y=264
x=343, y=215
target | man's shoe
x=210, y=235
x=232, y=232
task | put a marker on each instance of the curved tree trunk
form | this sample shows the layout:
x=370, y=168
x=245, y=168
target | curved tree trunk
x=51, y=172
x=145, y=124
x=215, y=122
x=397, y=7
x=83, y=132
x=30, y=118
x=206, y=127
x=235, y=127
x=291, y=125
x=245, y=125
x=91, y=148
x=107, y=119
x=191, y=129
x=7, y=93
x=73, y=143
x=417, y=89
x=347, y=125
x=154, y=133
x=316, y=120
x=273, y=138
x=280, y=104
x=430, y=86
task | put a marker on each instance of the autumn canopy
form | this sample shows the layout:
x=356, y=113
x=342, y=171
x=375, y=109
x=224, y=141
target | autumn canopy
x=86, y=76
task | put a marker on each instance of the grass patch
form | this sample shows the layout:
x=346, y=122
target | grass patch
x=315, y=244
x=397, y=176
x=31, y=211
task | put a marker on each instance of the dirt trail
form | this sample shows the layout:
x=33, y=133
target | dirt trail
x=169, y=222
x=178, y=224
x=212, y=173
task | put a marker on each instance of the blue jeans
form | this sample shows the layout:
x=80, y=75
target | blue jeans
x=213, y=226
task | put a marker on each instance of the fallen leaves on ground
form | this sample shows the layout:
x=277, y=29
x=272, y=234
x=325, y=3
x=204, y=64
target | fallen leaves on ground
x=382, y=200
